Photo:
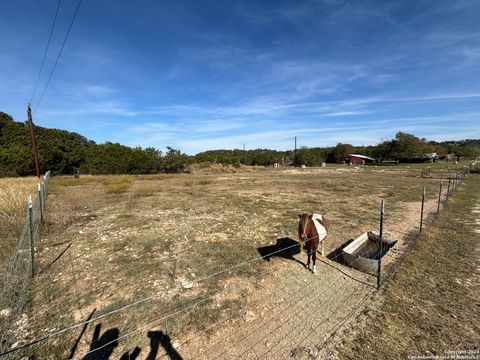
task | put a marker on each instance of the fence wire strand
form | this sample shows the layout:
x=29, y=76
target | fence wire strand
x=18, y=273
x=21, y=260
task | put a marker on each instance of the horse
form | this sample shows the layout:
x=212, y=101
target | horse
x=312, y=230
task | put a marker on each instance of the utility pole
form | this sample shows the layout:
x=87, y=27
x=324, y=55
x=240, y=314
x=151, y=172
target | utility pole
x=32, y=141
x=295, y=155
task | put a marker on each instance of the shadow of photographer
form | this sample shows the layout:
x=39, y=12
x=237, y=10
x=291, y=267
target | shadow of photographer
x=103, y=345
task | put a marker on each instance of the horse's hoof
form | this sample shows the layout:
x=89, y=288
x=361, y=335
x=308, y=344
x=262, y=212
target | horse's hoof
x=314, y=270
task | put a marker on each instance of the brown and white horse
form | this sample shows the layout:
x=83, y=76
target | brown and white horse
x=312, y=230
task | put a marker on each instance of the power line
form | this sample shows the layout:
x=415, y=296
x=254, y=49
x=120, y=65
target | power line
x=46, y=50
x=59, y=54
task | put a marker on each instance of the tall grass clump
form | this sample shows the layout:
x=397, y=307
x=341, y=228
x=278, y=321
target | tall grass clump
x=13, y=211
x=118, y=184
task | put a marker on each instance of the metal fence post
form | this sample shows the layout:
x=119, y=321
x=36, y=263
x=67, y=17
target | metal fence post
x=45, y=181
x=40, y=198
x=30, y=225
x=448, y=190
x=382, y=212
x=44, y=195
x=421, y=213
x=439, y=197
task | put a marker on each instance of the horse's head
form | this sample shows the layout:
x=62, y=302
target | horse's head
x=303, y=222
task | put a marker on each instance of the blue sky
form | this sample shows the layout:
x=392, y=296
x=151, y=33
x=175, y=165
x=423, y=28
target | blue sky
x=200, y=75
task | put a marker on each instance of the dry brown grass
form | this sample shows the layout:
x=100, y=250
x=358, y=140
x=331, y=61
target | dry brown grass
x=430, y=307
x=207, y=168
x=14, y=194
x=101, y=250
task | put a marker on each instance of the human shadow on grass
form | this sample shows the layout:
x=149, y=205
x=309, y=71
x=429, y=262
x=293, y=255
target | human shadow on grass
x=285, y=248
x=103, y=345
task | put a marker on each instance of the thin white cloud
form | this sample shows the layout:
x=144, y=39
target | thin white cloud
x=347, y=113
x=191, y=139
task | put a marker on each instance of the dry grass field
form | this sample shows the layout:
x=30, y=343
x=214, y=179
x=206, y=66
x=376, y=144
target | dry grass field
x=111, y=240
x=431, y=306
x=14, y=194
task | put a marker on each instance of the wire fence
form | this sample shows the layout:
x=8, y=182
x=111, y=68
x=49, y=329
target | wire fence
x=20, y=268
x=298, y=314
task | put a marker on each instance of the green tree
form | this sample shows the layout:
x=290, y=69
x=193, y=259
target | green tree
x=175, y=161
x=338, y=153
x=15, y=160
x=311, y=156
x=467, y=152
x=408, y=146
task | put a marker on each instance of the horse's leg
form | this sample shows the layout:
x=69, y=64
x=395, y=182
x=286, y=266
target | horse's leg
x=309, y=253
x=314, y=256
x=321, y=248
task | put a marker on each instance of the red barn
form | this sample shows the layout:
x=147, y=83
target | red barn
x=355, y=159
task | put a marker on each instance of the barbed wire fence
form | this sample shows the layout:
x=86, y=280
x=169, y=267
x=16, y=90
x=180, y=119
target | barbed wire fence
x=20, y=268
x=286, y=328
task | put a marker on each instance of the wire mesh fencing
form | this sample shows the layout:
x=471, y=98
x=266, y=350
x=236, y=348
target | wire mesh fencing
x=294, y=317
x=20, y=268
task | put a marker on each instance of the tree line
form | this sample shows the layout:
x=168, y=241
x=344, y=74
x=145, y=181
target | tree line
x=64, y=152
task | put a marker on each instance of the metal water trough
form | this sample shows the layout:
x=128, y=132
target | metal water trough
x=364, y=252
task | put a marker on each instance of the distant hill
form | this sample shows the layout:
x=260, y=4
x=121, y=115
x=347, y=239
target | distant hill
x=64, y=152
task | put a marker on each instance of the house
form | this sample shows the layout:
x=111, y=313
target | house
x=356, y=159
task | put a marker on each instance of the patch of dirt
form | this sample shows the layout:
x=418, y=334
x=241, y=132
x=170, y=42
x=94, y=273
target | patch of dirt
x=101, y=251
x=287, y=315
